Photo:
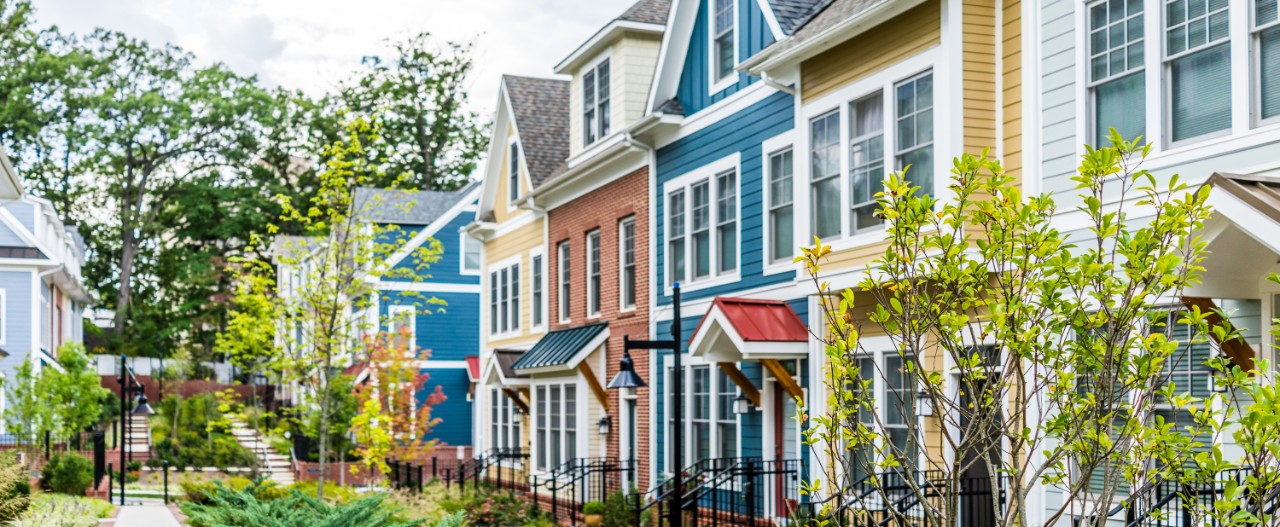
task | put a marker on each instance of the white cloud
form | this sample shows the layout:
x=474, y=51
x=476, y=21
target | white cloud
x=313, y=44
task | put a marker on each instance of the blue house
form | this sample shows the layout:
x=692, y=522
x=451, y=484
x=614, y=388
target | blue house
x=42, y=291
x=439, y=301
x=724, y=231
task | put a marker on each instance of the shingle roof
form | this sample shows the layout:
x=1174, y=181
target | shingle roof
x=559, y=346
x=822, y=18
x=540, y=108
x=647, y=11
x=413, y=207
x=506, y=359
x=30, y=253
x=792, y=14
x=672, y=107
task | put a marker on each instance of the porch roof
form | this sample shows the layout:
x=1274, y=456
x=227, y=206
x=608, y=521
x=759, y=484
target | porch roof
x=756, y=328
x=562, y=349
x=1260, y=192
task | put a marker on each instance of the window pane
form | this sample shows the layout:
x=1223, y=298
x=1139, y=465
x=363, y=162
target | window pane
x=866, y=160
x=676, y=236
x=701, y=230
x=825, y=171
x=1201, y=93
x=628, y=234
x=1269, y=76
x=1120, y=104
x=780, y=213
x=515, y=296
x=537, y=290
x=727, y=221
x=602, y=90
x=915, y=130
x=589, y=107
x=1265, y=12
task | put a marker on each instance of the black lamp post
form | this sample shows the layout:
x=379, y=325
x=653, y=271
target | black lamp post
x=627, y=378
x=128, y=385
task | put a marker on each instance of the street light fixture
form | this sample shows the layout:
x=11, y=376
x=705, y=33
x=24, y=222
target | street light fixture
x=129, y=385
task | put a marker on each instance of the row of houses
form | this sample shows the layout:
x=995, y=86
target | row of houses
x=701, y=142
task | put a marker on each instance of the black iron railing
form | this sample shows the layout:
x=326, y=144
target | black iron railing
x=910, y=499
x=1169, y=503
x=578, y=481
x=730, y=491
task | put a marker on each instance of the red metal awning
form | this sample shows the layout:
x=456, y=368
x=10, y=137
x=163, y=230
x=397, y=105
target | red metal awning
x=757, y=328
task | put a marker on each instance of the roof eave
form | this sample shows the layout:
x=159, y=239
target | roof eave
x=770, y=59
x=606, y=35
x=10, y=182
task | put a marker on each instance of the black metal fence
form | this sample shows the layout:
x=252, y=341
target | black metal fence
x=730, y=491
x=910, y=499
x=572, y=484
x=1170, y=503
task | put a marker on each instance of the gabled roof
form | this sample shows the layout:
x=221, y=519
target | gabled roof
x=563, y=348
x=540, y=109
x=826, y=24
x=793, y=14
x=506, y=359
x=748, y=329
x=405, y=207
x=473, y=368
x=1261, y=193
x=647, y=12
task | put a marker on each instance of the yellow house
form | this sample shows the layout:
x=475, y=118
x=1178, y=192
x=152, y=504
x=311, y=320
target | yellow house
x=879, y=86
x=529, y=144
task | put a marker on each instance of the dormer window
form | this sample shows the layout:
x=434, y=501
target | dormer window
x=724, y=50
x=595, y=103
x=513, y=172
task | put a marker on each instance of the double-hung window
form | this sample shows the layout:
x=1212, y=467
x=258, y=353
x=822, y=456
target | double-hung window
x=712, y=427
x=505, y=423
x=1266, y=35
x=702, y=224
x=593, y=273
x=866, y=161
x=504, y=299
x=1117, y=84
x=627, y=259
x=724, y=48
x=471, y=248
x=914, y=120
x=557, y=424
x=781, y=210
x=536, y=286
x=824, y=170
x=1198, y=65
x=700, y=417
x=595, y=103
x=563, y=262
x=726, y=420
x=513, y=172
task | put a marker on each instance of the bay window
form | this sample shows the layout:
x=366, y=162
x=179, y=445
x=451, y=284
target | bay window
x=781, y=209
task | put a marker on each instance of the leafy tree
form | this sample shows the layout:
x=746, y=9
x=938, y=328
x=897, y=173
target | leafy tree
x=420, y=96
x=61, y=401
x=1061, y=352
x=392, y=422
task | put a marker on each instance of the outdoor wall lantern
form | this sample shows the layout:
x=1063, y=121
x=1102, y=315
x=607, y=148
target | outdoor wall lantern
x=924, y=404
x=742, y=405
x=604, y=425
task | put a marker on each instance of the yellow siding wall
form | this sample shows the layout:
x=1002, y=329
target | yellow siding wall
x=502, y=206
x=979, y=71
x=907, y=34
x=517, y=242
x=1011, y=56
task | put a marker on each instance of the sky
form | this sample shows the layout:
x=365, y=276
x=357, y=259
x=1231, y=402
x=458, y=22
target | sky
x=314, y=44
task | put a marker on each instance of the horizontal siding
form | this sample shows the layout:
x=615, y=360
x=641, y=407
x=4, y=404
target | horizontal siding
x=1058, y=141
x=9, y=238
x=636, y=56
x=979, y=74
x=24, y=212
x=753, y=35
x=517, y=242
x=450, y=331
x=907, y=34
x=502, y=209
x=743, y=133
x=448, y=269
x=18, y=333
x=454, y=412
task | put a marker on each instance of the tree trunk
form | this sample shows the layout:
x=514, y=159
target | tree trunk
x=324, y=431
x=128, y=250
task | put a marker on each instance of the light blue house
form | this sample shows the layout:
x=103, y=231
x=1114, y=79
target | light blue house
x=440, y=302
x=42, y=292
x=726, y=137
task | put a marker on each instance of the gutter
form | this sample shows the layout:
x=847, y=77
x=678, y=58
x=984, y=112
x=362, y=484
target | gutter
x=840, y=32
x=628, y=143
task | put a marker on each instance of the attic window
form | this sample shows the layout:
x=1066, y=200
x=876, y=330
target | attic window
x=513, y=172
x=723, y=59
x=595, y=103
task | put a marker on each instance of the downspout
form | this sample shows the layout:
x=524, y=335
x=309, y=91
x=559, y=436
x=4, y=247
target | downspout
x=768, y=81
x=651, y=156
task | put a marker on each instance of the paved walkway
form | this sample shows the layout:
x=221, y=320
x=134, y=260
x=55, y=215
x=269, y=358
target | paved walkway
x=146, y=515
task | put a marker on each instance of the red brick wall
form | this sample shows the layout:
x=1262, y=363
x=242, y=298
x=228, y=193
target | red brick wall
x=603, y=209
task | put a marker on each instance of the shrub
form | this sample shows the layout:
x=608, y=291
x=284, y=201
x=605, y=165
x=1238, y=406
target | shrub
x=68, y=474
x=499, y=509
x=334, y=494
x=593, y=507
x=456, y=519
x=201, y=491
x=619, y=510
x=15, y=491
x=63, y=511
x=242, y=508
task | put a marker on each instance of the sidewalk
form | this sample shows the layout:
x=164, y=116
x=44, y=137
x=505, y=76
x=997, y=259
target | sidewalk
x=145, y=515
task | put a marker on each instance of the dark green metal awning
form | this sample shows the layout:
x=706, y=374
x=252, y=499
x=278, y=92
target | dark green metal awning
x=559, y=347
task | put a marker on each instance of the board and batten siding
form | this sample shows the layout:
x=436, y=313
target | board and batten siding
x=454, y=412
x=907, y=34
x=694, y=91
x=741, y=133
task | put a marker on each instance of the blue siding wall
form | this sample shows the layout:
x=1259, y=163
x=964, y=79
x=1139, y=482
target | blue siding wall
x=17, y=319
x=753, y=35
x=9, y=238
x=25, y=213
x=742, y=133
x=451, y=332
x=448, y=270
x=455, y=412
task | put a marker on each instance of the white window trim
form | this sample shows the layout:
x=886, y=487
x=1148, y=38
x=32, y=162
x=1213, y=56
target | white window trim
x=581, y=110
x=546, y=295
x=1245, y=130
x=1255, y=67
x=462, y=249
x=882, y=347
x=883, y=81
x=622, y=263
x=717, y=86
x=513, y=140
x=708, y=173
x=567, y=452
x=395, y=312
x=498, y=267
x=768, y=147
x=688, y=363
x=586, y=271
x=564, y=308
